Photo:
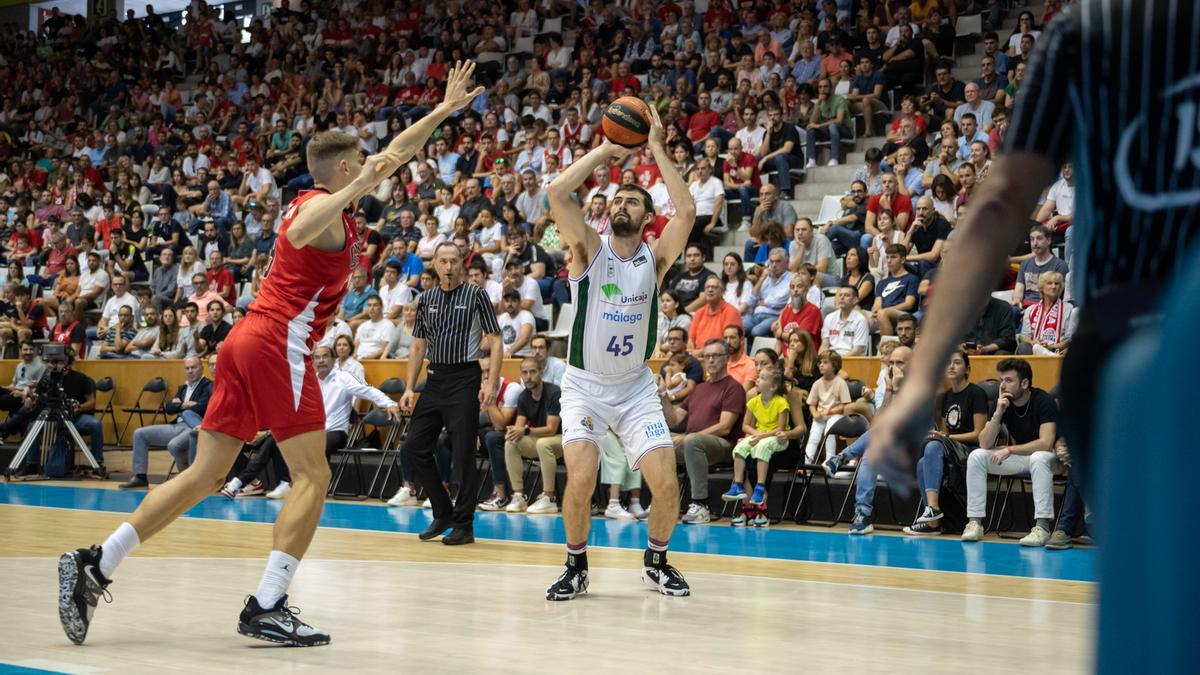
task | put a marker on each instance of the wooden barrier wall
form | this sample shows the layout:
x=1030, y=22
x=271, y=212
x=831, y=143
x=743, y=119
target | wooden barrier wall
x=130, y=375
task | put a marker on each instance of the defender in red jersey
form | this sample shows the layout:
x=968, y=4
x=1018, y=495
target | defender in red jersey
x=266, y=381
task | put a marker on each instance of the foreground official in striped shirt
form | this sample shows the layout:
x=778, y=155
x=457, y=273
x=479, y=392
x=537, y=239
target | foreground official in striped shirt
x=1113, y=86
x=453, y=319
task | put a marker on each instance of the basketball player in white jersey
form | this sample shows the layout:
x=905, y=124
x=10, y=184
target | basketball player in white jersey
x=607, y=385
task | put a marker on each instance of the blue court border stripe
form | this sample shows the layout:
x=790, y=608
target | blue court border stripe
x=944, y=554
x=13, y=669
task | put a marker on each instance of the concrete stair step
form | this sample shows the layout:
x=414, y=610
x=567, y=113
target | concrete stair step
x=842, y=173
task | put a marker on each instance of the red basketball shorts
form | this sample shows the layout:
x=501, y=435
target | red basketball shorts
x=264, y=381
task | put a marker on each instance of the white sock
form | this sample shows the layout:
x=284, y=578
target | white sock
x=118, y=545
x=235, y=483
x=276, y=579
x=634, y=500
x=614, y=502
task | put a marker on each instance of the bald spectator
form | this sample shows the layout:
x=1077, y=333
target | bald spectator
x=978, y=106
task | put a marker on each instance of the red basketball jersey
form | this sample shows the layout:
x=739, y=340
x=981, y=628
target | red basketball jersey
x=302, y=287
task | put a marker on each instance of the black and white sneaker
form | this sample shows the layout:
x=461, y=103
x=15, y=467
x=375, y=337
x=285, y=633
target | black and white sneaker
x=279, y=625
x=666, y=580
x=80, y=587
x=571, y=584
x=928, y=515
x=919, y=528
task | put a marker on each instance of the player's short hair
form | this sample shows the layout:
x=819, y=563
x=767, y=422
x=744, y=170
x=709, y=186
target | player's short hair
x=647, y=200
x=905, y=317
x=326, y=149
x=1040, y=229
x=896, y=249
x=511, y=294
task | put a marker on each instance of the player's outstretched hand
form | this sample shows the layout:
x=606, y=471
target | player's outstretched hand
x=896, y=433
x=657, y=134
x=457, y=84
x=380, y=166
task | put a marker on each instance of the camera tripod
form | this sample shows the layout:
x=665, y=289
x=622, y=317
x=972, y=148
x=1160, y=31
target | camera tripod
x=49, y=426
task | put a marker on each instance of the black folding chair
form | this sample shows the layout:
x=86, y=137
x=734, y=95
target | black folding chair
x=848, y=426
x=353, y=453
x=106, y=389
x=155, y=386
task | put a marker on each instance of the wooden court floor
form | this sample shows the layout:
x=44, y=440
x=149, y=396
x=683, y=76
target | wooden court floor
x=392, y=602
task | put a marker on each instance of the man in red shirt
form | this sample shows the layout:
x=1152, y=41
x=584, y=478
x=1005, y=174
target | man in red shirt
x=624, y=80
x=799, y=312
x=267, y=381
x=889, y=198
x=220, y=279
x=703, y=120
x=739, y=172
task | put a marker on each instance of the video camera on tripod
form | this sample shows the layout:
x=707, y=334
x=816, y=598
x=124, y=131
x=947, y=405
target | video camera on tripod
x=57, y=410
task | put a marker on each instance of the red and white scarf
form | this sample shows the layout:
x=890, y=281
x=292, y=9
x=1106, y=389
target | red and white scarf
x=1046, y=325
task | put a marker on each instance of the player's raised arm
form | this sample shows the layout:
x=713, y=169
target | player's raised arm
x=458, y=95
x=675, y=235
x=568, y=215
x=332, y=160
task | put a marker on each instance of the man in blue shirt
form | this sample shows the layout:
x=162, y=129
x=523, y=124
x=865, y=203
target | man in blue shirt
x=808, y=66
x=896, y=293
x=866, y=93
x=354, y=305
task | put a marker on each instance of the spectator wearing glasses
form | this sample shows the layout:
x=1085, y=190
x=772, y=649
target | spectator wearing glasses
x=710, y=415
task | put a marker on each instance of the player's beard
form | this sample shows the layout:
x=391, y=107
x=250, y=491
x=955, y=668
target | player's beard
x=623, y=226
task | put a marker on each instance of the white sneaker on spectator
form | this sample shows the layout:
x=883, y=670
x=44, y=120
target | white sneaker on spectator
x=972, y=532
x=617, y=512
x=231, y=489
x=543, y=504
x=638, y=512
x=811, y=163
x=404, y=497
x=280, y=490
x=1038, y=536
x=697, y=514
x=832, y=162
x=518, y=503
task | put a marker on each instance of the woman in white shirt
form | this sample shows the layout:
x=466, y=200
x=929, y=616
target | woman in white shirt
x=888, y=235
x=343, y=351
x=446, y=211
x=739, y=291
x=671, y=315
x=188, y=267
x=429, y=243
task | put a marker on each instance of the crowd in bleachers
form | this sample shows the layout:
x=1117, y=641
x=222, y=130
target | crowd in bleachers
x=144, y=170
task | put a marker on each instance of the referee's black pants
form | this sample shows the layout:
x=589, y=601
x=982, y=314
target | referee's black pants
x=450, y=400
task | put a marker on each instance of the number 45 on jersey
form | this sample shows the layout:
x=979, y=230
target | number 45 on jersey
x=622, y=348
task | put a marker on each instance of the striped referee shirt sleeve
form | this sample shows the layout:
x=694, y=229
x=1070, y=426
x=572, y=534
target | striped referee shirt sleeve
x=420, y=329
x=487, y=314
x=1045, y=118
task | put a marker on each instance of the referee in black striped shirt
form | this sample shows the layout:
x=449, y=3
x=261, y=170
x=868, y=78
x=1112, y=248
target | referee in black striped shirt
x=453, y=320
x=1114, y=86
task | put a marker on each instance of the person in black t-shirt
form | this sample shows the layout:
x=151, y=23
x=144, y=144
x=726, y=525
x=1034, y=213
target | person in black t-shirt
x=689, y=283
x=1031, y=418
x=961, y=415
x=214, y=331
x=781, y=152
x=536, y=434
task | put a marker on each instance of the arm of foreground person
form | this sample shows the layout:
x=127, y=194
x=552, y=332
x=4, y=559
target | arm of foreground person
x=992, y=227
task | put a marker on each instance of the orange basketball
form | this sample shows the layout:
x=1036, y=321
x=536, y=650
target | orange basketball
x=627, y=121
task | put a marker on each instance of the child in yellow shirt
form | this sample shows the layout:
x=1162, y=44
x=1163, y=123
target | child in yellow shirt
x=765, y=428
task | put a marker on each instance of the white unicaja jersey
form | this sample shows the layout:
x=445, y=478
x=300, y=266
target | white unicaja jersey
x=616, y=312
